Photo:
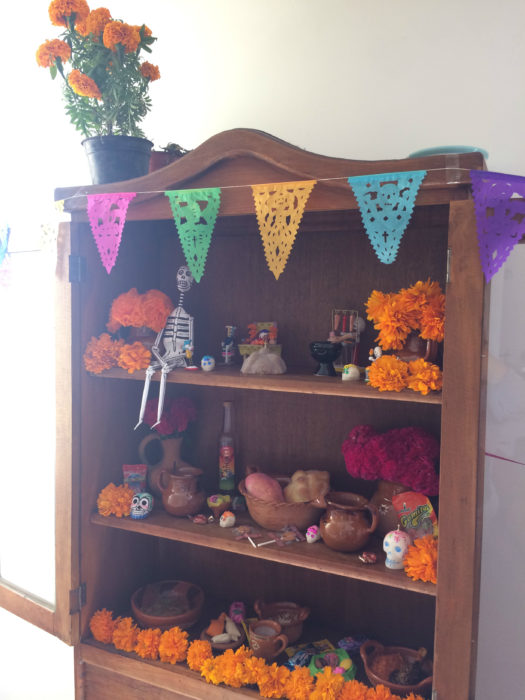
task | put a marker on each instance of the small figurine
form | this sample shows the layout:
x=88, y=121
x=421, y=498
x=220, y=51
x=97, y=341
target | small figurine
x=188, y=351
x=141, y=505
x=228, y=345
x=199, y=519
x=396, y=544
x=351, y=373
x=218, y=503
x=237, y=611
x=368, y=557
x=207, y=363
x=227, y=519
x=375, y=353
x=313, y=534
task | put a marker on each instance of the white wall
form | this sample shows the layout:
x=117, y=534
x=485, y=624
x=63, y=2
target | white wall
x=366, y=80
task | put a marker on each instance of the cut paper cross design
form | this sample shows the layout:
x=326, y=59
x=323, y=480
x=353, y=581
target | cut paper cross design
x=194, y=213
x=499, y=203
x=386, y=202
x=279, y=209
x=107, y=216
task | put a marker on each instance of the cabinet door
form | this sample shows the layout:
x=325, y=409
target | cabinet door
x=38, y=515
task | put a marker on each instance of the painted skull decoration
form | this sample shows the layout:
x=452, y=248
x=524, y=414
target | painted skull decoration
x=207, y=363
x=141, y=505
x=396, y=544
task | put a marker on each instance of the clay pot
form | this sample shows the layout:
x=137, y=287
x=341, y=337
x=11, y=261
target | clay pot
x=289, y=615
x=348, y=522
x=416, y=348
x=161, y=454
x=167, y=603
x=382, y=500
x=379, y=661
x=266, y=639
x=180, y=494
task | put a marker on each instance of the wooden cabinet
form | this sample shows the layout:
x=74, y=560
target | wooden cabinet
x=286, y=422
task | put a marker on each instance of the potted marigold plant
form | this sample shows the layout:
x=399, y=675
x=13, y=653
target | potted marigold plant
x=105, y=85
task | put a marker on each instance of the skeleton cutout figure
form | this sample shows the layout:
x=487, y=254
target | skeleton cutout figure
x=174, y=338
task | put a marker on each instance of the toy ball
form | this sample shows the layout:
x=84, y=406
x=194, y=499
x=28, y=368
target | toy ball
x=207, y=363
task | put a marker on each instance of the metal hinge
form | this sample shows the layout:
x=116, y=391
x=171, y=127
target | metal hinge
x=77, y=599
x=447, y=277
x=77, y=268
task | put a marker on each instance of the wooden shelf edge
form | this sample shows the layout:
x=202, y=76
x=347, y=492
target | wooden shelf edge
x=315, y=557
x=168, y=677
x=285, y=383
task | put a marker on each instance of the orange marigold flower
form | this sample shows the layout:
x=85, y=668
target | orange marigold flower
x=115, y=500
x=299, y=684
x=250, y=669
x=102, y=625
x=125, y=634
x=424, y=376
x=173, y=645
x=48, y=52
x=327, y=685
x=388, y=373
x=102, y=353
x=375, y=304
x=210, y=672
x=147, y=646
x=121, y=33
x=94, y=23
x=83, y=85
x=354, y=690
x=432, y=321
x=156, y=307
x=122, y=312
x=394, y=325
x=198, y=651
x=150, y=71
x=147, y=30
x=272, y=681
x=413, y=696
x=421, y=559
x=134, y=357
x=381, y=692
x=59, y=10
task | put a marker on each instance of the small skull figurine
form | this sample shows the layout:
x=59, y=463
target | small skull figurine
x=396, y=544
x=207, y=363
x=141, y=506
x=313, y=534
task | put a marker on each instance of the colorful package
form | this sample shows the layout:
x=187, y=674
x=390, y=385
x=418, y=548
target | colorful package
x=135, y=476
x=415, y=514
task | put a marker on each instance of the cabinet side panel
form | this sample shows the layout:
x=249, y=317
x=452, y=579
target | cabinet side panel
x=460, y=480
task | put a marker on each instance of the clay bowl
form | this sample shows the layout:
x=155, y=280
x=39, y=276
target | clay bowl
x=289, y=615
x=222, y=646
x=371, y=653
x=167, y=604
x=276, y=516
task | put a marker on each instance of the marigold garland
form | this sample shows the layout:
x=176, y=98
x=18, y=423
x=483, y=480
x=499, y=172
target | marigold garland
x=328, y=685
x=115, y=500
x=125, y=634
x=173, y=645
x=354, y=690
x=272, y=681
x=147, y=646
x=134, y=357
x=102, y=625
x=300, y=684
x=421, y=559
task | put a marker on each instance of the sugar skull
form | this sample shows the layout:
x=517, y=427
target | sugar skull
x=207, y=363
x=141, y=505
x=396, y=544
x=313, y=534
x=351, y=373
x=227, y=519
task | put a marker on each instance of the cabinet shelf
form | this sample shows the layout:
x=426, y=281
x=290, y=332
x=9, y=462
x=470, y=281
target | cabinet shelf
x=296, y=383
x=316, y=557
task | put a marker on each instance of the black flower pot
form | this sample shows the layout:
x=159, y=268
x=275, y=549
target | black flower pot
x=325, y=352
x=117, y=158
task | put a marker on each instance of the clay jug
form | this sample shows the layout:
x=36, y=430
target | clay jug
x=382, y=499
x=180, y=494
x=348, y=522
x=168, y=451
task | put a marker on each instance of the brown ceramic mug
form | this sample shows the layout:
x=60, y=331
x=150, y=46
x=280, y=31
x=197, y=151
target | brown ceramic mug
x=266, y=638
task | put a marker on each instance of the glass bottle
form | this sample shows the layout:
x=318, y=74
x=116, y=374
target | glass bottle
x=227, y=452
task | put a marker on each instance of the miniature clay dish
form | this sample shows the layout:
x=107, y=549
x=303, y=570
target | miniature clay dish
x=289, y=615
x=389, y=665
x=222, y=646
x=167, y=604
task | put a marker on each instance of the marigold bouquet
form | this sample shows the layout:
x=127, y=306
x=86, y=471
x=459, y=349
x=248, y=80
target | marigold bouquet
x=106, y=86
x=421, y=308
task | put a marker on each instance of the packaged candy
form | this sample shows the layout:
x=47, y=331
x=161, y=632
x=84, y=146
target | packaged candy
x=134, y=475
x=415, y=513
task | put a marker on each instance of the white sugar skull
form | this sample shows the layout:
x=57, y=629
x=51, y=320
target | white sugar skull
x=351, y=373
x=313, y=534
x=396, y=544
x=207, y=363
x=141, y=505
x=184, y=278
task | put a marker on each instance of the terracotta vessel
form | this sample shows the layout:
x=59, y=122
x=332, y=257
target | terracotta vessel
x=167, y=603
x=289, y=615
x=382, y=499
x=416, y=348
x=180, y=494
x=348, y=522
x=160, y=454
x=381, y=662
x=267, y=639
